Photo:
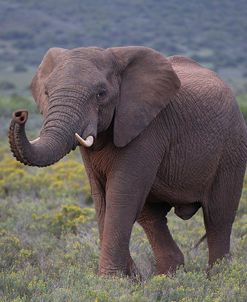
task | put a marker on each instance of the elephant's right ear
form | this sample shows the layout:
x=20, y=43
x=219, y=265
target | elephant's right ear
x=44, y=70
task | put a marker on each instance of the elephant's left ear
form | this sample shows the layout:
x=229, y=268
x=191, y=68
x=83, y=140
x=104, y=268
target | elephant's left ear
x=38, y=82
x=148, y=82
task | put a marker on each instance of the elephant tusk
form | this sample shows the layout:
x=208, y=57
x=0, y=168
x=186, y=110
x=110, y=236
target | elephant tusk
x=35, y=140
x=88, y=142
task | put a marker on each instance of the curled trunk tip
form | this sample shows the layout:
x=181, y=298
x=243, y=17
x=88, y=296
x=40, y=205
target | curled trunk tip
x=41, y=152
x=20, y=116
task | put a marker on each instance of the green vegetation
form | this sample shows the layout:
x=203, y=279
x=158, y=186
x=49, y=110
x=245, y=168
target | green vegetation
x=66, y=178
x=49, y=244
x=9, y=104
x=242, y=101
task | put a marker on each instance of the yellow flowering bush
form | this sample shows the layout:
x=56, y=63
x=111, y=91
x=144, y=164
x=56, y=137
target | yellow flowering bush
x=70, y=217
x=13, y=176
x=66, y=220
x=65, y=178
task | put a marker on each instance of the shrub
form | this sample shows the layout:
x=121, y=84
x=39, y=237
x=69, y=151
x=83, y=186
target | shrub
x=13, y=254
x=66, y=220
x=66, y=178
x=13, y=177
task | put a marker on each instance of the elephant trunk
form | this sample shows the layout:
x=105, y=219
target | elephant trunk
x=59, y=134
x=44, y=151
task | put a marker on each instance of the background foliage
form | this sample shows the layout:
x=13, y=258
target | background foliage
x=48, y=234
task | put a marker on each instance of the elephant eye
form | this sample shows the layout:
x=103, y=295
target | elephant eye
x=101, y=94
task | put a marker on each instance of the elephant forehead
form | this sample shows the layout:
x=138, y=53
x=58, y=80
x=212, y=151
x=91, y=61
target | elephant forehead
x=76, y=72
x=86, y=52
x=90, y=55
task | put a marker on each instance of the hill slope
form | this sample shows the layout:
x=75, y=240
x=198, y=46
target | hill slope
x=212, y=32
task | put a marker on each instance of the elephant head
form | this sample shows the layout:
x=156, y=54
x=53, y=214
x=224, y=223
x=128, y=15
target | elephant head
x=82, y=91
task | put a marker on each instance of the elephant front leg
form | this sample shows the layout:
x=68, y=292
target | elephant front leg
x=119, y=219
x=100, y=207
x=98, y=190
x=129, y=181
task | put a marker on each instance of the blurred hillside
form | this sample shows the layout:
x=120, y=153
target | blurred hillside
x=212, y=32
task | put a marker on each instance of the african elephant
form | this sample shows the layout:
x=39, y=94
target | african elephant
x=154, y=133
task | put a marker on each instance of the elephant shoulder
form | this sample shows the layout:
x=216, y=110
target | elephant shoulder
x=189, y=71
x=181, y=60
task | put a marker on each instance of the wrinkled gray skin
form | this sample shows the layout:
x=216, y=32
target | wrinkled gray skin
x=168, y=133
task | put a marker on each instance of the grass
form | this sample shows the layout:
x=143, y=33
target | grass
x=49, y=241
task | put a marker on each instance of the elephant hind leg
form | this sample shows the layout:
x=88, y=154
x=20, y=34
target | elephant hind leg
x=167, y=254
x=220, y=209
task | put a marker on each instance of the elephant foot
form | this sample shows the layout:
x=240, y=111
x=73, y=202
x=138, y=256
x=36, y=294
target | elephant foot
x=131, y=271
x=170, y=264
x=213, y=269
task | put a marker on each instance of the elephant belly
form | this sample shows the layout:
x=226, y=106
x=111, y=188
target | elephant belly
x=184, y=183
x=174, y=195
x=188, y=169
